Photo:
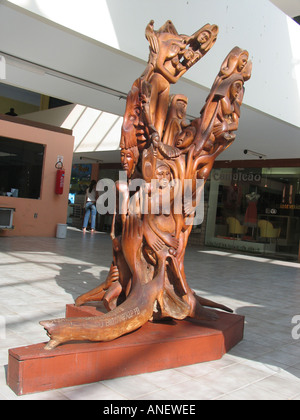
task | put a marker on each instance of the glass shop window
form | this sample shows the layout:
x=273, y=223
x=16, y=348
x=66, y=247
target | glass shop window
x=80, y=180
x=21, y=165
x=255, y=210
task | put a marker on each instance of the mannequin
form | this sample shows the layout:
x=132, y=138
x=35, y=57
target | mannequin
x=251, y=212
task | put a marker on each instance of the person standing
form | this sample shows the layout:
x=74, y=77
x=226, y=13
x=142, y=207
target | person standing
x=90, y=206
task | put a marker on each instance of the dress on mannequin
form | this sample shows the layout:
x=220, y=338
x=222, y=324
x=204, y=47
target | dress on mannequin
x=251, y=212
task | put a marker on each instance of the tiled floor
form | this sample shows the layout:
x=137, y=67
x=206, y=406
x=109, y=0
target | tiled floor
x=39, y=276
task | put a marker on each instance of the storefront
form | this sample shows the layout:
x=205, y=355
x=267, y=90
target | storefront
x=255, y=209
x=251, y=207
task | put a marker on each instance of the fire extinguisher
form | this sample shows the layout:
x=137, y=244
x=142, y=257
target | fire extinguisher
x=60, y=178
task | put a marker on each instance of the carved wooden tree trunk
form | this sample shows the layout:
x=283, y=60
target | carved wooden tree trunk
x=172, y=159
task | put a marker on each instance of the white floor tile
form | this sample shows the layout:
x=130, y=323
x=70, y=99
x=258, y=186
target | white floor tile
x=39, y=276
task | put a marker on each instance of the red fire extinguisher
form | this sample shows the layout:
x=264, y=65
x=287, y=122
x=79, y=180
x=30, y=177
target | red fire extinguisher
x=60, y=178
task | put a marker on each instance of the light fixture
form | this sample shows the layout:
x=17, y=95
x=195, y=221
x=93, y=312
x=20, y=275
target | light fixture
x=88, y=158
x=252, y=152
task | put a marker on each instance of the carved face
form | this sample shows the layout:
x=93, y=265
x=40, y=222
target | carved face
x=242, y=61
x=181, y=108
x=235, y=89
x=203, y=37
x=188, y=54
x=185, y=138
x=163, y=175
x=127, y=161
x=132, y=127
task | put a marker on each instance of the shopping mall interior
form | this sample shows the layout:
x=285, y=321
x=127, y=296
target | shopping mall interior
x=74, y=77
x=66, y=68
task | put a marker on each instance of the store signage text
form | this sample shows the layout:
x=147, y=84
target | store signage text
x=239, y=176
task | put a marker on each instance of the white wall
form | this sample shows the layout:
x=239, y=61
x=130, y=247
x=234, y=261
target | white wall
x=271, y=38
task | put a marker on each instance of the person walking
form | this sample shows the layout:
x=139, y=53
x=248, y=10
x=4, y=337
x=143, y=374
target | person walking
x=90, y=206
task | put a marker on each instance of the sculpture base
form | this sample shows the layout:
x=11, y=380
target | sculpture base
x=151, y=348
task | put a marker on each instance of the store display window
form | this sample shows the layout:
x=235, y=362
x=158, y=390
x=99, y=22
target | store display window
x=255, y=210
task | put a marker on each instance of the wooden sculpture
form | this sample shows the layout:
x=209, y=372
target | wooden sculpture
x=146, y=281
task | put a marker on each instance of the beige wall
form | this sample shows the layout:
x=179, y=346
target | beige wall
x=50, y=209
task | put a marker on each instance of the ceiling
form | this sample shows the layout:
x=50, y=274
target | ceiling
x=289, y=7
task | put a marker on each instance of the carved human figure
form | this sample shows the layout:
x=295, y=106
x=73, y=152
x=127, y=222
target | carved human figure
x=159, y=217
x=235, y=62
x=116, y=283
x=129, y=159
x=133, y=127
x=176, y=118
x=171, y=55
x=221, y=113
